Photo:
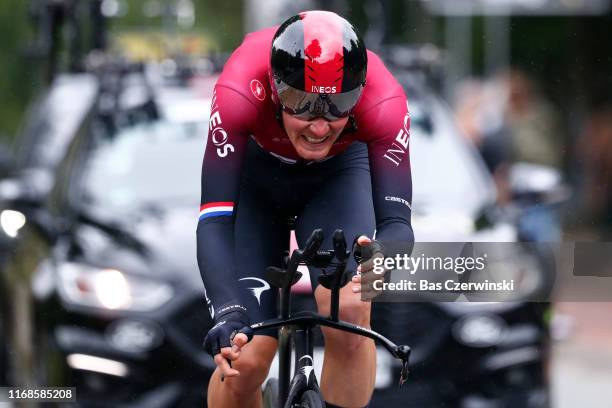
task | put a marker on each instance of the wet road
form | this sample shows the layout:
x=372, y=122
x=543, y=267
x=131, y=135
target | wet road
x=582, y=362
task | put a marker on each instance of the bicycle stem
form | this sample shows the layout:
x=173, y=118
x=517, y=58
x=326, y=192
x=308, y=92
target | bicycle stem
x=335, y=292
x=339, y=243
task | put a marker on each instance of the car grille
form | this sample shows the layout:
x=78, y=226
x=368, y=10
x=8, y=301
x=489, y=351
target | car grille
x=418, y=325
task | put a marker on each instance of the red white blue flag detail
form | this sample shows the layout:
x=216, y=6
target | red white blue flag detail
x=215, y=209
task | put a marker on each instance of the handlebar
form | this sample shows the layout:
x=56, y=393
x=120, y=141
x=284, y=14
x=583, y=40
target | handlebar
x=309, y=319
x=312, y=245
x=312, y=255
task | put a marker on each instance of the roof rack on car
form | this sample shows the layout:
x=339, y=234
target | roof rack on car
x=126, y=95
x=422, y=63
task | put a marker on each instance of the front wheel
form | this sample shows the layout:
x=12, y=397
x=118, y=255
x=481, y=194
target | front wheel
x=311, y=399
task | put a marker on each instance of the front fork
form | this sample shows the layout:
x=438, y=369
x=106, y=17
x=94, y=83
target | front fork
x=304, y=363
x=285, y=335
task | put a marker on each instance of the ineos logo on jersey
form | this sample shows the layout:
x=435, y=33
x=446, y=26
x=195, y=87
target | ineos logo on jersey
x=399, y=147
x=323, y=89
x=407, y=123
x=218, y=135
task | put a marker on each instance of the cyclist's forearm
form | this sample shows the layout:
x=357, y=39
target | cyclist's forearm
x=397, y=229
x=217, y=263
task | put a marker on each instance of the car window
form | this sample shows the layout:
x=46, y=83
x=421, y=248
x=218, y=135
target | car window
x=447, y=173
x=156, y=163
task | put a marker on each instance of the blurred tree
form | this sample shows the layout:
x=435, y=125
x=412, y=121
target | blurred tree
x=220, y=22
x=18, y=78
x=21, y=78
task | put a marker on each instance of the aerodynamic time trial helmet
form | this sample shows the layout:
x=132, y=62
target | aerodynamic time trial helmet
x=318, y=66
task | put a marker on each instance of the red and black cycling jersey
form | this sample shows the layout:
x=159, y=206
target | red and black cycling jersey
x=242, y=108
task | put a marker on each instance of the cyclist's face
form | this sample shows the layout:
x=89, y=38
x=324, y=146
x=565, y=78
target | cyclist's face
x=313, y=139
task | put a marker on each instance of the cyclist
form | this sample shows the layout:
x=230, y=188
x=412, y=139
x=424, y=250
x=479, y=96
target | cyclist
x=305, y=122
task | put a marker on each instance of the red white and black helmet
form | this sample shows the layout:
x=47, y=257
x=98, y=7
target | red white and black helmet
x=318, y=66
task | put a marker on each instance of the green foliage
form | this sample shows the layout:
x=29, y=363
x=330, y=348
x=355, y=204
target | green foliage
x=18, y=77
x=21, y=78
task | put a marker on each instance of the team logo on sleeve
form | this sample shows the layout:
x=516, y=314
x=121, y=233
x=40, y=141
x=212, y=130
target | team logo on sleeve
x=259, y=92
x=218, y=135
x=398, y=149
x=257, y=290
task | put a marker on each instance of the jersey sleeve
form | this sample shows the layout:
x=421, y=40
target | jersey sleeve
x=387, y=133
x=228, y=134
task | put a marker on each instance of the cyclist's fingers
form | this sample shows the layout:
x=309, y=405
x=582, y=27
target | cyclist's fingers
x=230, y=353
x=369, y=265
x=366, y=294
x=224, y=367
x=356, y=281
x=363, y=240
x=369, y=277
x=372, y=287
x=239, y=341
x=368, y=286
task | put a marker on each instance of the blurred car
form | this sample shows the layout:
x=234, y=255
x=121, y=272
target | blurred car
x=51, y=123
x=465, y=354
x=105, y=292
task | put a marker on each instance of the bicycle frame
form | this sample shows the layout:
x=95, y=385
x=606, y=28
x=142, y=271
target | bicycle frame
x=297, y=328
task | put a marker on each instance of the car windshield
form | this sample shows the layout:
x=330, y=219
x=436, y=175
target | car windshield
x=447, y=173
x=157, y=163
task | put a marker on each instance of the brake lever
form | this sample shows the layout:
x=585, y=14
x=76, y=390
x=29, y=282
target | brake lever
x=403, y=352
x=404, y=373
x=339, y=244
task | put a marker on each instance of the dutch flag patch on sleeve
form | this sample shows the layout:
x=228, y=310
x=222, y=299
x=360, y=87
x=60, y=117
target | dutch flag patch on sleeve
x=216, y=209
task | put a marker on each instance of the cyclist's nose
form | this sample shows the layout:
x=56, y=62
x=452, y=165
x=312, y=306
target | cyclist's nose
x=319, y=127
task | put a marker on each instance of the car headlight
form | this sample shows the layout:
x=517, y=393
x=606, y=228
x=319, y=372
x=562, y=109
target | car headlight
x=480, y=330
x=110, y=289
x=11, y=222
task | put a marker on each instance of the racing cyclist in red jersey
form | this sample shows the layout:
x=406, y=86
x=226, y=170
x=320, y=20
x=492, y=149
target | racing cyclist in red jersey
x=305, y=123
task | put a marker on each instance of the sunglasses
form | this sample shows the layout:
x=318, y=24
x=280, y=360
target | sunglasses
x=308, y=106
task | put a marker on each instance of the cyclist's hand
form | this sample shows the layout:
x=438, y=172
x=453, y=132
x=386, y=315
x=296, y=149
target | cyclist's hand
x=363, y=282
x=229, y=334
x=228, y=354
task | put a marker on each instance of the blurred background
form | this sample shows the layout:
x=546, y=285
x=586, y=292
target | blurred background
x=103, y=116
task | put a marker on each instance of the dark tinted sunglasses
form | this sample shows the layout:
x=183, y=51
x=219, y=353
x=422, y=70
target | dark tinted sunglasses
x=307, y=106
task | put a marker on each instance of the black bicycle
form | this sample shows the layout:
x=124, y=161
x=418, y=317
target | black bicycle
x=296, y=329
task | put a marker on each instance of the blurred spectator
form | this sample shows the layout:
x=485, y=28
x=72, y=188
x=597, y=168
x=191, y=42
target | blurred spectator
x=594, y=153
x=510, y=122
x=480, y=116
x=533, y=124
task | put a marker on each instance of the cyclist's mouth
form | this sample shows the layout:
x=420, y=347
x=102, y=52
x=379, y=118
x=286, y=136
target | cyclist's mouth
x=314, y=140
